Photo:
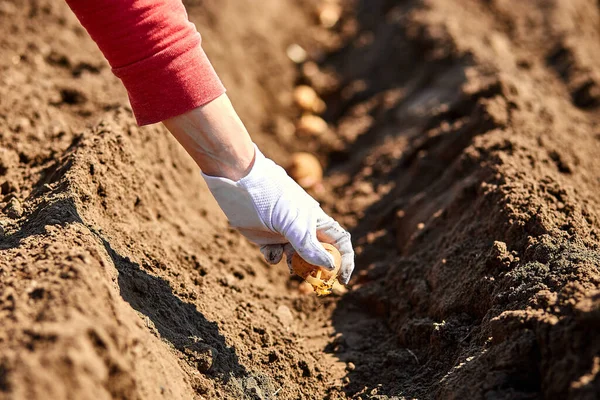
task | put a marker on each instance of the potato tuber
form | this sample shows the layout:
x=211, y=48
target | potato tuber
x=321, y=279
x=305, y=169
x=308, y=100
x=311, y=125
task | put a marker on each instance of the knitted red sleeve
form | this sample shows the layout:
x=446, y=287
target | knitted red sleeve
x=155, y=51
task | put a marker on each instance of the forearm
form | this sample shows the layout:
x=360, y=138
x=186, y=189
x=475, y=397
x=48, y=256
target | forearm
x=215, y=137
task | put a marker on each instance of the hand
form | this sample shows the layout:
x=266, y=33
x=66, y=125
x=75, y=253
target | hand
x=273, y=211
x=257, y=196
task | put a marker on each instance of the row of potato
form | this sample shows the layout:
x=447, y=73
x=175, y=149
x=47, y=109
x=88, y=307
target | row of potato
x=304, y=167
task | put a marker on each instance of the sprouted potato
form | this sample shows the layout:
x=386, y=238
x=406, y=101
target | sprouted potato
x=321, y=279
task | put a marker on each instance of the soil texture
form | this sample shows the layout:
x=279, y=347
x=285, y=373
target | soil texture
x=462, y=152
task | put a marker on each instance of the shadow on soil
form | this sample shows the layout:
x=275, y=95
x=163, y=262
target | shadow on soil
x=177, y=322
x=174, y=320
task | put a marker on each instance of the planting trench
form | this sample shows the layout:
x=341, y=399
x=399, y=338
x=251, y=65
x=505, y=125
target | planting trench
x=463, y=155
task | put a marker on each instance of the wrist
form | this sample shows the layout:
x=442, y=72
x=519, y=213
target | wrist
x=215, y=137
x=228, y=162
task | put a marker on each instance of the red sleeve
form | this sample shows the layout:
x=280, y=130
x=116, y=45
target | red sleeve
x=155, y=51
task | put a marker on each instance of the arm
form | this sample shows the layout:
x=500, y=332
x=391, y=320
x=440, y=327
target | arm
x=156, y=52
x=216, y=139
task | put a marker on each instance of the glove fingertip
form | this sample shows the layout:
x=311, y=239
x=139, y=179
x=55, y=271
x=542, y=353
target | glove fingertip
x=272, y=253
x=345, y=278
x=311, y=251
x=321, y=258
x=347, y=267
x=289, y=251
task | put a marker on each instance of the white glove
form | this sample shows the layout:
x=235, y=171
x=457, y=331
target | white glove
x=273, y=211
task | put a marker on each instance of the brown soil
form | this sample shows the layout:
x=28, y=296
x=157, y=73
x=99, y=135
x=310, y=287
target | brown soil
x=464, y=155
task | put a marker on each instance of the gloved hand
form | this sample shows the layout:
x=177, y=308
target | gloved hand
x=273, y=211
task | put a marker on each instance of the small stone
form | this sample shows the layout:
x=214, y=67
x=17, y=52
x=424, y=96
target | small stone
x=350, y=366
x=285, y=315
x=296, y=53
x=14, y=208
x=203, y=354
x=329, y=14
x=206, y=359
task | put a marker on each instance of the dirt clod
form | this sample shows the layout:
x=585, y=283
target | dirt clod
x=14, y=209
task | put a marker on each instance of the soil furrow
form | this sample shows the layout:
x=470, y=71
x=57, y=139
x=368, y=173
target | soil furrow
x=462, y=151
